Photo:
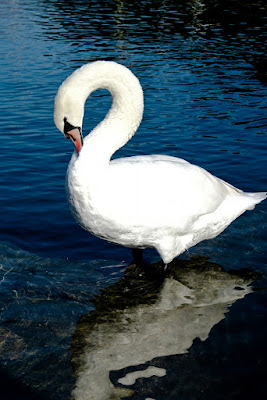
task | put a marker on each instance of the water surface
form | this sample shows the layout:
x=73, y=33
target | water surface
x=202, y=66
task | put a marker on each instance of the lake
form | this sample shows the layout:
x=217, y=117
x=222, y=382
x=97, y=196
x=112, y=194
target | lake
x=202, y=66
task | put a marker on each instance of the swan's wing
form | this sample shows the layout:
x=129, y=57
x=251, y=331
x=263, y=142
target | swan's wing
x=163, y=189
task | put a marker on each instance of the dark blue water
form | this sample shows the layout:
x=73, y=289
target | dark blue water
x=202, y=66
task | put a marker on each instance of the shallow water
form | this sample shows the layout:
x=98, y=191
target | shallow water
x=201, y=65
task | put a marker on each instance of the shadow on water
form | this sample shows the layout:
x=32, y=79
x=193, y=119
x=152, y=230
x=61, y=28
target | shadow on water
x=12, y=389
x=143, y=321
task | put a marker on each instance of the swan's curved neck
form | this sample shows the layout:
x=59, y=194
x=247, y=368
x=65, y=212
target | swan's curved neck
x=125, y=113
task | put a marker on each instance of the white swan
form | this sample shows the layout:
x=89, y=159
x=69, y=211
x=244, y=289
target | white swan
x=143, y=201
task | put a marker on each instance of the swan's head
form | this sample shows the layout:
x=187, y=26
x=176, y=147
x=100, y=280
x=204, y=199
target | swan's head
x=68, y=112
x=127, y=106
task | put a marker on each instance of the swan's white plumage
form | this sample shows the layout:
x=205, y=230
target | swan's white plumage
x=143, y=201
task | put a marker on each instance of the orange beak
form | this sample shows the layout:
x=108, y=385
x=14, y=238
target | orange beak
x=76, y=137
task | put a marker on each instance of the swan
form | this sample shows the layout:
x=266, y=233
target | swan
x=154, y=201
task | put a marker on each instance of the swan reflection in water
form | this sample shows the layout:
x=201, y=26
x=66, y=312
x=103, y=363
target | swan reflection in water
x=139, y=319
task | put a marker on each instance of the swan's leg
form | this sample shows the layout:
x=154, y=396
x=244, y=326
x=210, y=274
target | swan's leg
x=165, y=267
x=138, y=256
x=145, y=271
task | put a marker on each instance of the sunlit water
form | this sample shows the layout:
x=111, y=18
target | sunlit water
x=201, y=65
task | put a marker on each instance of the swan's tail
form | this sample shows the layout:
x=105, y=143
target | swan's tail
x=254, y=198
